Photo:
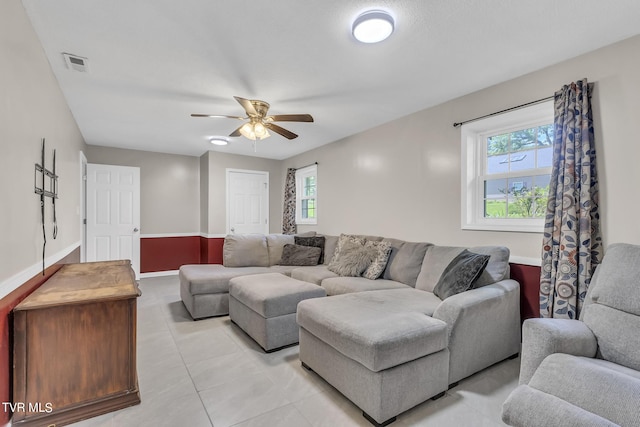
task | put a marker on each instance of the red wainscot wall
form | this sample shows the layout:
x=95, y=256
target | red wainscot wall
x=529, y=278
x=211, y=250
x=168, y=253
x=6, y=327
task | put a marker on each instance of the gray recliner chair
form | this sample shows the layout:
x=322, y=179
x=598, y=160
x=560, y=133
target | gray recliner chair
x=585, y=372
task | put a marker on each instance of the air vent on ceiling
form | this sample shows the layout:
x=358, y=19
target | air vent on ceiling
x=75, y=62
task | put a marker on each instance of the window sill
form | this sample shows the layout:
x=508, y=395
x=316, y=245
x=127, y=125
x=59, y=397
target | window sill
x=519, y=228
x=534, y=262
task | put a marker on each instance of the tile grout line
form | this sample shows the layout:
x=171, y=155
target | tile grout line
x=164, y=317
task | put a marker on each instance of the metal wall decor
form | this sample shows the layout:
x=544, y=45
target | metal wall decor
x=45, y=183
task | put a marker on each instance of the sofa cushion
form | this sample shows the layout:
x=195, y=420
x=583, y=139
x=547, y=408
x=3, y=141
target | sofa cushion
x=283, y=269
x=245, y=250
x=461, y=273
x=379, y=263
x=330, y=245
x=212, y=278
x=315, y=274
x=275, y=245
x=497, y=268
x=300, y=255
x=617, y=283
x=438, y=258
x=315, y=241
x=345, y=285
x=405, y=261
x=352, y=259
x=361, y=329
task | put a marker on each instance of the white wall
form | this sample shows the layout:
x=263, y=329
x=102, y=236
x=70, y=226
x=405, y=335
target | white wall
x=169, y=188
x=402, y=179
x=33, y=107
x=216, y=207
x=204, y=193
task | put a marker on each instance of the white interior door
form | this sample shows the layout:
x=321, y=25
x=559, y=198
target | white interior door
x=113, y=214
x=247, y=202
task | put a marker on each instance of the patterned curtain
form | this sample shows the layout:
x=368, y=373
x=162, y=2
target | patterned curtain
x=289, y=210
x=572, y=246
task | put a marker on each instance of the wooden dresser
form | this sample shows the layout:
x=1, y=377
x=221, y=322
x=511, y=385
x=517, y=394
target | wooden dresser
x=75, y=345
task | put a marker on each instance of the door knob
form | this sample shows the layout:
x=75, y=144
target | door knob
x=233, y=229
x=135, y=230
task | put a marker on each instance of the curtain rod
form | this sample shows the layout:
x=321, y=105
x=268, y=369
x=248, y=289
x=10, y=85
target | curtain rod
x=306, y=166
x=455, y=125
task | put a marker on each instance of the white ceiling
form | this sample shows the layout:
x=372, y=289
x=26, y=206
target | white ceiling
x=154, y=62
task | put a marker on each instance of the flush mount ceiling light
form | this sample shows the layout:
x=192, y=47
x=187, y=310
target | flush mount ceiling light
x=373, y=26
x=219, y=140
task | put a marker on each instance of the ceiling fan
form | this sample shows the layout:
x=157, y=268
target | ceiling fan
x=259, y=123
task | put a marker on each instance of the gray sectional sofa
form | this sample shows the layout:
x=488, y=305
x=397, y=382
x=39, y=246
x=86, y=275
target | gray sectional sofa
x=387, y=344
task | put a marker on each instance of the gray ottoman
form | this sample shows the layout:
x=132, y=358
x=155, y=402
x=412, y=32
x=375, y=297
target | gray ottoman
x=264, y=306
x=384, y=359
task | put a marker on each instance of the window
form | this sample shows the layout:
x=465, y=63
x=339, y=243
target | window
x=307, y=195
x=506, y=168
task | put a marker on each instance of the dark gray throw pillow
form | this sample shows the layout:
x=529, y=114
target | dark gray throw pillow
x=315, y=241
x=300, y=255
x=460, y=274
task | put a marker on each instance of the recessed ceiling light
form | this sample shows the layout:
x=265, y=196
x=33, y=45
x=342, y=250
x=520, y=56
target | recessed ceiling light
x=219, y=140
x=373, y=26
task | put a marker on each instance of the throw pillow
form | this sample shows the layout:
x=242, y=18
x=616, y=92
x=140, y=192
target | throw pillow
x=460, y=274
x=353, y=260
x=316, y=241
x=377, y=266
x=342, y=240
x=300, y=255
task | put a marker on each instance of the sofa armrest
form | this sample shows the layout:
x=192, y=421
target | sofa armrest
x=542, y=337
x=483, y=325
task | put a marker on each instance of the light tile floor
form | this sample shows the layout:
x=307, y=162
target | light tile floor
x=210, y=373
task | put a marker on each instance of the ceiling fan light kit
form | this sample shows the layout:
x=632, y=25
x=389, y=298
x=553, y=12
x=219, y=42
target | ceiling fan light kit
x=254, y=130
x=373, y=26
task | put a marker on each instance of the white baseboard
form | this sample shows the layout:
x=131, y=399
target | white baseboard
x=537, y=262
x=161, y=235
x=15, y=281
x=213, y=236
x=159, y=274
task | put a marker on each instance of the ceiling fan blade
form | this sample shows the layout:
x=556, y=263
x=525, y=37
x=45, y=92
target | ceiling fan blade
x=236, y=132
x=290, y=118
x=247, y=105
x=221, y=116
x=280, y=130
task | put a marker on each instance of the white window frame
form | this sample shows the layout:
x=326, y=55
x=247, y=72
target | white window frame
x=473, y=141
x=301, y=175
